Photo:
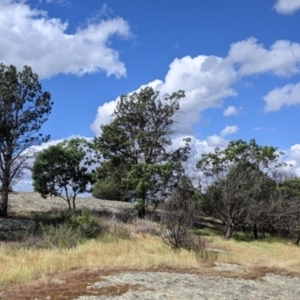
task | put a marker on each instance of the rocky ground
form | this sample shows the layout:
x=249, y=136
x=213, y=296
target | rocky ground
x=158, y=284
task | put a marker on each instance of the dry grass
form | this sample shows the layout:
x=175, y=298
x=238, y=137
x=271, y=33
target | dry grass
x=138, y=250
x=108, y=252
x=142, y=252
x=280, y=255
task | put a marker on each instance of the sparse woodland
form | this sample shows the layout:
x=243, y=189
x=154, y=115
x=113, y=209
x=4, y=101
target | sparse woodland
x=244, y=191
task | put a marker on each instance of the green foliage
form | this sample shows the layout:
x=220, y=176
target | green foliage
x=241, y=191
x=290, y=188
x=60, y=171
x=146, y=180
x=61, y=236
x=107, y=189
x=73, y=230
x=24, y=108
x=214, y=163
x=136, y=145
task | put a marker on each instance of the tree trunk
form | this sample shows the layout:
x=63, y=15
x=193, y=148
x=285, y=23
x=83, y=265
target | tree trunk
x=255, y=231
x=142, y=210
x=229, y=232
x=3, y=202
x=69, y=204
x=4, y=195
x=73, y=201
x=298, y=240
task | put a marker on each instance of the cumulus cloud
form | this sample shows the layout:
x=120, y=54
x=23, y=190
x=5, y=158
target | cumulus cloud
x=287, y=7
x=292, y=156
x=216, y=141
x=229, y=130
x=287, y=95
x=206, y=81
x=231, y=111
x=29, y=36
x=249, y=57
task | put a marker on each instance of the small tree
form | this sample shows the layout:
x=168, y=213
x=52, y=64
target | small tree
x=240, y=190
x=60, y=171
x=24, y=107
x=288, y=206
x=241, y=198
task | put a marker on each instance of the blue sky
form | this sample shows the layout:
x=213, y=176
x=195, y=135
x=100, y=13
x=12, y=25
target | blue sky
x=238, y=61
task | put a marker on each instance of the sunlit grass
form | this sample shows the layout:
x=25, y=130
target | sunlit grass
x=260, y=253
x=142, y=251
x=107, y=252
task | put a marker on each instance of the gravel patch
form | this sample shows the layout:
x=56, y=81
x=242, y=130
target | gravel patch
x=162, y=285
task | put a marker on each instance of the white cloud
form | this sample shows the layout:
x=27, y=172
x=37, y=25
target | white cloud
x=29, y=36
x=292, y=156
x=206, y=81
x=283, y=58
x=287, y=95
x=216, y=141
x=229, y=130
x=231, y=111
x=271, y=129
x=287, y=7
x=60, y=2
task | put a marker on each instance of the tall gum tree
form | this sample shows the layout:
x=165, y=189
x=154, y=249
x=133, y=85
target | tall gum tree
x=139, y=137
x=24, y=107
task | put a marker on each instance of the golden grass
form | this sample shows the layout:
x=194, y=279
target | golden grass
x=260, y=254
x=140, y=252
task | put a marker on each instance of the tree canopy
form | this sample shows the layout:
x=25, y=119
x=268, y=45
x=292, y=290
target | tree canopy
x=137, y=144
x=24, y=108
x=60, y=170
x=239, y=190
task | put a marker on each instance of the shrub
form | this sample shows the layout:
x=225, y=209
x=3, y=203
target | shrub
x=61, y=236
x=118, y=228
x=86, y=224
x=107, y=189
x=75, y=229
x=126, y=215
x=178, y=217
x=144, y=226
